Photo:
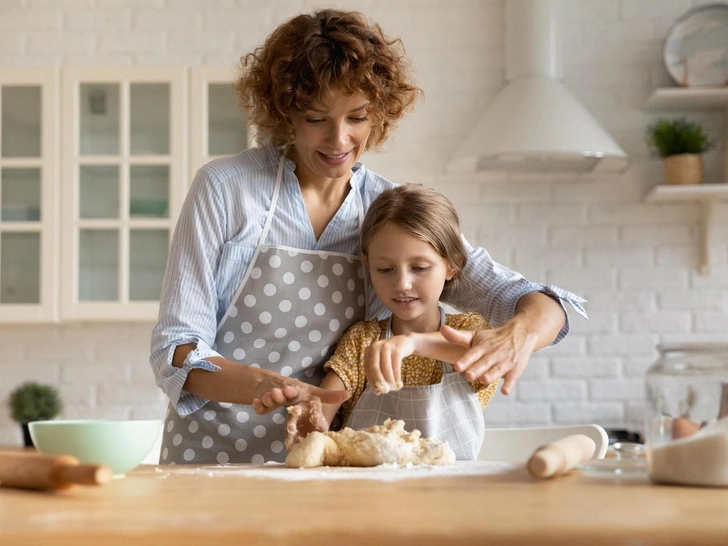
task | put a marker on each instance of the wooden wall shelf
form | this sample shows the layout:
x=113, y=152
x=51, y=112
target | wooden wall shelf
x=688, y=98
x=707, y=195
x=695, y=99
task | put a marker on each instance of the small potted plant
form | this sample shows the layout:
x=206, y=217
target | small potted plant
x=34, y=402
x=680, y=143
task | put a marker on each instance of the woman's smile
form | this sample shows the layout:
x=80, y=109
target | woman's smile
x=331, y=159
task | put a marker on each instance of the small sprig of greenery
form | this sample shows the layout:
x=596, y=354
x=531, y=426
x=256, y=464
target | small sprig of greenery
x=34, y=402
x=668, y=137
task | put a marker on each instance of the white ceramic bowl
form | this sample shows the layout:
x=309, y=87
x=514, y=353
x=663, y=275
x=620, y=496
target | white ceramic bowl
x=120, y=445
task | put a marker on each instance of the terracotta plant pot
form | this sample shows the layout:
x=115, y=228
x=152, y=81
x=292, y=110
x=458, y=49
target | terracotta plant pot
x=684, y=169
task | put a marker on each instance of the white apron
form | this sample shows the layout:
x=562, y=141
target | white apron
x=448, y=411
x=289, y=311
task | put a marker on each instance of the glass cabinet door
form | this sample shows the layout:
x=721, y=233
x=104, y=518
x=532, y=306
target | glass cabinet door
x=123, y=190
x=28, y=195
x=218, y=125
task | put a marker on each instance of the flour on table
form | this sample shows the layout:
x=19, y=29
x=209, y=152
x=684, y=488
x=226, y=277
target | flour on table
x=389, y=443
x=382, y=473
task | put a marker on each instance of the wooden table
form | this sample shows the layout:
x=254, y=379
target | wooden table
x=155, y=506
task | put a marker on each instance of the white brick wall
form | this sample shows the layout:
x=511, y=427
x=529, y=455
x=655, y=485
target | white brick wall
x=635, y=262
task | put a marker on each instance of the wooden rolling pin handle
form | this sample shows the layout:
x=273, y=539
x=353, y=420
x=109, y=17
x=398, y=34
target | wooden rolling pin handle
x=561, y=456
x=36, y=471
x=86, y=474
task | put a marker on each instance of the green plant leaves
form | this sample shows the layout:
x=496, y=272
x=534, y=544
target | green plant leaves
x=34, y=402
x=668, y=137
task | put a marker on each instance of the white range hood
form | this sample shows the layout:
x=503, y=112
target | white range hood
x=535, y=123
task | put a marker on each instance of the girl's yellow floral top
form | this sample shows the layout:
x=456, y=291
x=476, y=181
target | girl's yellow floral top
x=348, y=359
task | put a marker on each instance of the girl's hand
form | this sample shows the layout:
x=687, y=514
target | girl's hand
x=303, y=418
x=492, y=354
x=383, y=362
x=274, y=391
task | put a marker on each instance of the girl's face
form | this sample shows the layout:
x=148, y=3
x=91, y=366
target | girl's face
x=330, y=138
x=408, y=276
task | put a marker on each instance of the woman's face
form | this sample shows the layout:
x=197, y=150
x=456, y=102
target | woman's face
x=330, y=138
x=408, y=276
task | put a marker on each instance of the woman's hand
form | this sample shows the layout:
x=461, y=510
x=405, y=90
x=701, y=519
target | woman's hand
x=492, y=354
x=304, y=418
x=274, y=391
x=505, y=351
x=383, y=362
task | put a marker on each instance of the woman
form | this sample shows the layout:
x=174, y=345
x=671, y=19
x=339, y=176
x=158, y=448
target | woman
x=264, y=274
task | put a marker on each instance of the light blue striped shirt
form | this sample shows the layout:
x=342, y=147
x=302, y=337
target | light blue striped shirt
x=219, y=227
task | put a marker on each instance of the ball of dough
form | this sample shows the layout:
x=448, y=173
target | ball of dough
x=316, y=449
x=388, y=443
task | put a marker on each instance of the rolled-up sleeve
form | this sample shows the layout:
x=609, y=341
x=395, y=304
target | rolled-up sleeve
x=188, y=303
x=494, y=290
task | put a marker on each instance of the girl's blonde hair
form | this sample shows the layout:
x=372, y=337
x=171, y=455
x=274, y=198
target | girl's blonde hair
x=423, y=213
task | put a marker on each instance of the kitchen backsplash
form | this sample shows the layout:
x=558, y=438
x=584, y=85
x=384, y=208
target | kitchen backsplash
x=636, y=263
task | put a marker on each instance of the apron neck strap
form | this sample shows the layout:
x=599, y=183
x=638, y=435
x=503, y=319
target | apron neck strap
x=274, y=198
x=359, y=203
x=388, y=334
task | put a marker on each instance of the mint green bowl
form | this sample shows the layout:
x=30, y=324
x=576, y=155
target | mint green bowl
x=120, y=445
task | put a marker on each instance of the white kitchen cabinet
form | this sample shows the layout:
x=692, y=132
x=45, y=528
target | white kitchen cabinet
x=218, y=126
x=28, y=195
x=124, y=169
x=94, y=165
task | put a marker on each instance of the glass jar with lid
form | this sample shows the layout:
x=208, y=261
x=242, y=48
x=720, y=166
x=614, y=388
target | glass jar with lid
x=686, y=426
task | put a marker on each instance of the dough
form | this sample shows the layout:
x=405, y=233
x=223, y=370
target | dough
x=316, y=449
x=381, y=444
x=382, y=387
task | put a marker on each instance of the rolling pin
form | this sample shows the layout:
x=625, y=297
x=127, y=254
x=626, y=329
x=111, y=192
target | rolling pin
x=559, y=457
x=36, y=471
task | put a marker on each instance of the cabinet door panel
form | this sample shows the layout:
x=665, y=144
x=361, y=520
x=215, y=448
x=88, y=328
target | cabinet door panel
x=20, y=111
x=29, y=191
x=98, y=119
x=20, y=195
x=149, y=118
x=218, y=127
x=99, y=191
x=149, y=191
x=98, y=278
x=147, y=260
x=20, y=268
x=226, y=127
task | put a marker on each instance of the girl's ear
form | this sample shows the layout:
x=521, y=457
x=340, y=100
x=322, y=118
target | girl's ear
x=450, y=273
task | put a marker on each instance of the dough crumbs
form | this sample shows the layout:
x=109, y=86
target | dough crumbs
x=382, y=387
x=388, y=443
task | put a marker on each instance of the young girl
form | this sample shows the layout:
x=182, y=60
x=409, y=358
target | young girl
x=395, y=368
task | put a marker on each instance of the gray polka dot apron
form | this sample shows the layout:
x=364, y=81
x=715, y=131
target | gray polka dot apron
x=290, y=309
x=449, y=411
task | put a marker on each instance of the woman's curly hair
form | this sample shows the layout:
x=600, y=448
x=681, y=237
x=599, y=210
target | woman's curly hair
x=312, y=56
